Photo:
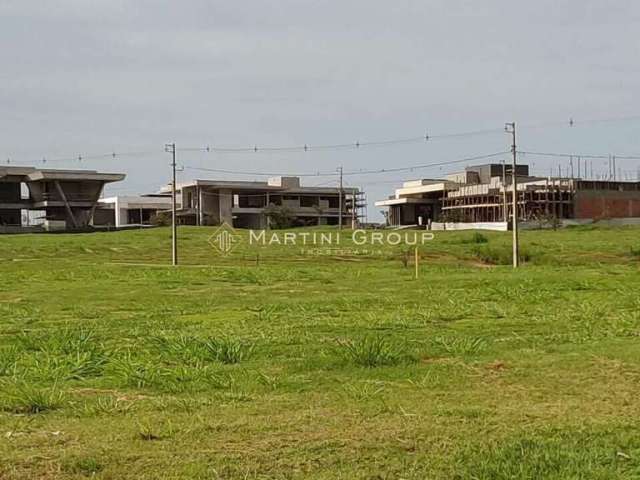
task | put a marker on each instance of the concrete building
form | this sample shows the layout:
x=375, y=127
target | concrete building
x=130, y=210
x=483, y=194
x=246, y=204
x=66, y=199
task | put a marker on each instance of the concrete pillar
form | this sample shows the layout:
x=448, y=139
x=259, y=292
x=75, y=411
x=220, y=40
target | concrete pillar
x=225, y=200
x=117, y=213
x=209, y=207
x=200, y=207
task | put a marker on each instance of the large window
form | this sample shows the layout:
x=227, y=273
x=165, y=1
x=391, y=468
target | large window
x=309, y=201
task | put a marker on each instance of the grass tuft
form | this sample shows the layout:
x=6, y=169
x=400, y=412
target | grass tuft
x=460, y=346
x=30, y=399
x=86, y=466
x=228, y=350
x=8, y=360
x=371, y=351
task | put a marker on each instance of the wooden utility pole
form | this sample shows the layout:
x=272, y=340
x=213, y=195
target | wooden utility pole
x=171, y=148
x=340, y=200
x=511, y=128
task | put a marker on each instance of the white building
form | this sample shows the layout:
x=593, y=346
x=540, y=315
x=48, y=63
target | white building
x=130, y=210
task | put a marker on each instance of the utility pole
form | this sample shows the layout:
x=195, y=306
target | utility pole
x=340, y=200
x=171, y=148
x=511, y=128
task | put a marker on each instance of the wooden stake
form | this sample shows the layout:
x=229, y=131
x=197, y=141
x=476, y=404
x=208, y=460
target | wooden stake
x=417, y=262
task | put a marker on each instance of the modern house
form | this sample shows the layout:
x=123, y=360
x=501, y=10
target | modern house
x=247, y=204
x=130, y=210
x=483, y=195
x=63, y=199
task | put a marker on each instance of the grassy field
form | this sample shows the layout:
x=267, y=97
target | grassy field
x=270, y=363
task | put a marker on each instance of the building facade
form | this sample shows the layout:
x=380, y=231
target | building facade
x=131, y=210
x=484, y=194
x=246, y=204
x=63, y=199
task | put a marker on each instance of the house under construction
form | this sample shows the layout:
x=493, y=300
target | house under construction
x=484, y=194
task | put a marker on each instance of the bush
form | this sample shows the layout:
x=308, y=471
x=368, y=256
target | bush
x=279, y=216
x=161, y=219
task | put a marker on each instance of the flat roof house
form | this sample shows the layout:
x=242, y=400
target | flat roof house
x=130, y=210
x=247, y=204
x=67, y=199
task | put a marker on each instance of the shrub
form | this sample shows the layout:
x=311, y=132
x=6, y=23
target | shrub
x=279, y=216
x=161, y=219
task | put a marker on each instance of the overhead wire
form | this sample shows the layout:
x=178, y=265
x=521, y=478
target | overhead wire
x=571, y=122
x=349, y=173
x=581, y=155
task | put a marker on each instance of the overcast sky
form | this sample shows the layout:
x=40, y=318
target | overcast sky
x=96, y=76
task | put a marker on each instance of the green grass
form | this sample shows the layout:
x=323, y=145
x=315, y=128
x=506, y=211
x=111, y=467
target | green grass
x=273, y=363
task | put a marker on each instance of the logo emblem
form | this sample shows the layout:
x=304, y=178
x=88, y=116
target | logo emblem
x=224, y=239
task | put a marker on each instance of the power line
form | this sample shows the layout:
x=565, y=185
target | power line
x=341, y=146
x=573, y=122
x=426, y=165
x=352, y=172
x=427, y=137
x=81, y=158
x=260, y=174
x=575, y=155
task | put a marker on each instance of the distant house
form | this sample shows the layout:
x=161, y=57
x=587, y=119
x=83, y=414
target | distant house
x=483, y=194
x=32, y=198
x=130, y=210
x=246, y=204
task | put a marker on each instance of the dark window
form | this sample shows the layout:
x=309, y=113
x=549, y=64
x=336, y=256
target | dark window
x=334, y=202
x=309, y=201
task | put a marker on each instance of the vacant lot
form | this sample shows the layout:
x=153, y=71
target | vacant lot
x=270, y=363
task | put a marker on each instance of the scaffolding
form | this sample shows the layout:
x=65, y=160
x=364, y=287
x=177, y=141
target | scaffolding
x=356, y=207
x=551, y=198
